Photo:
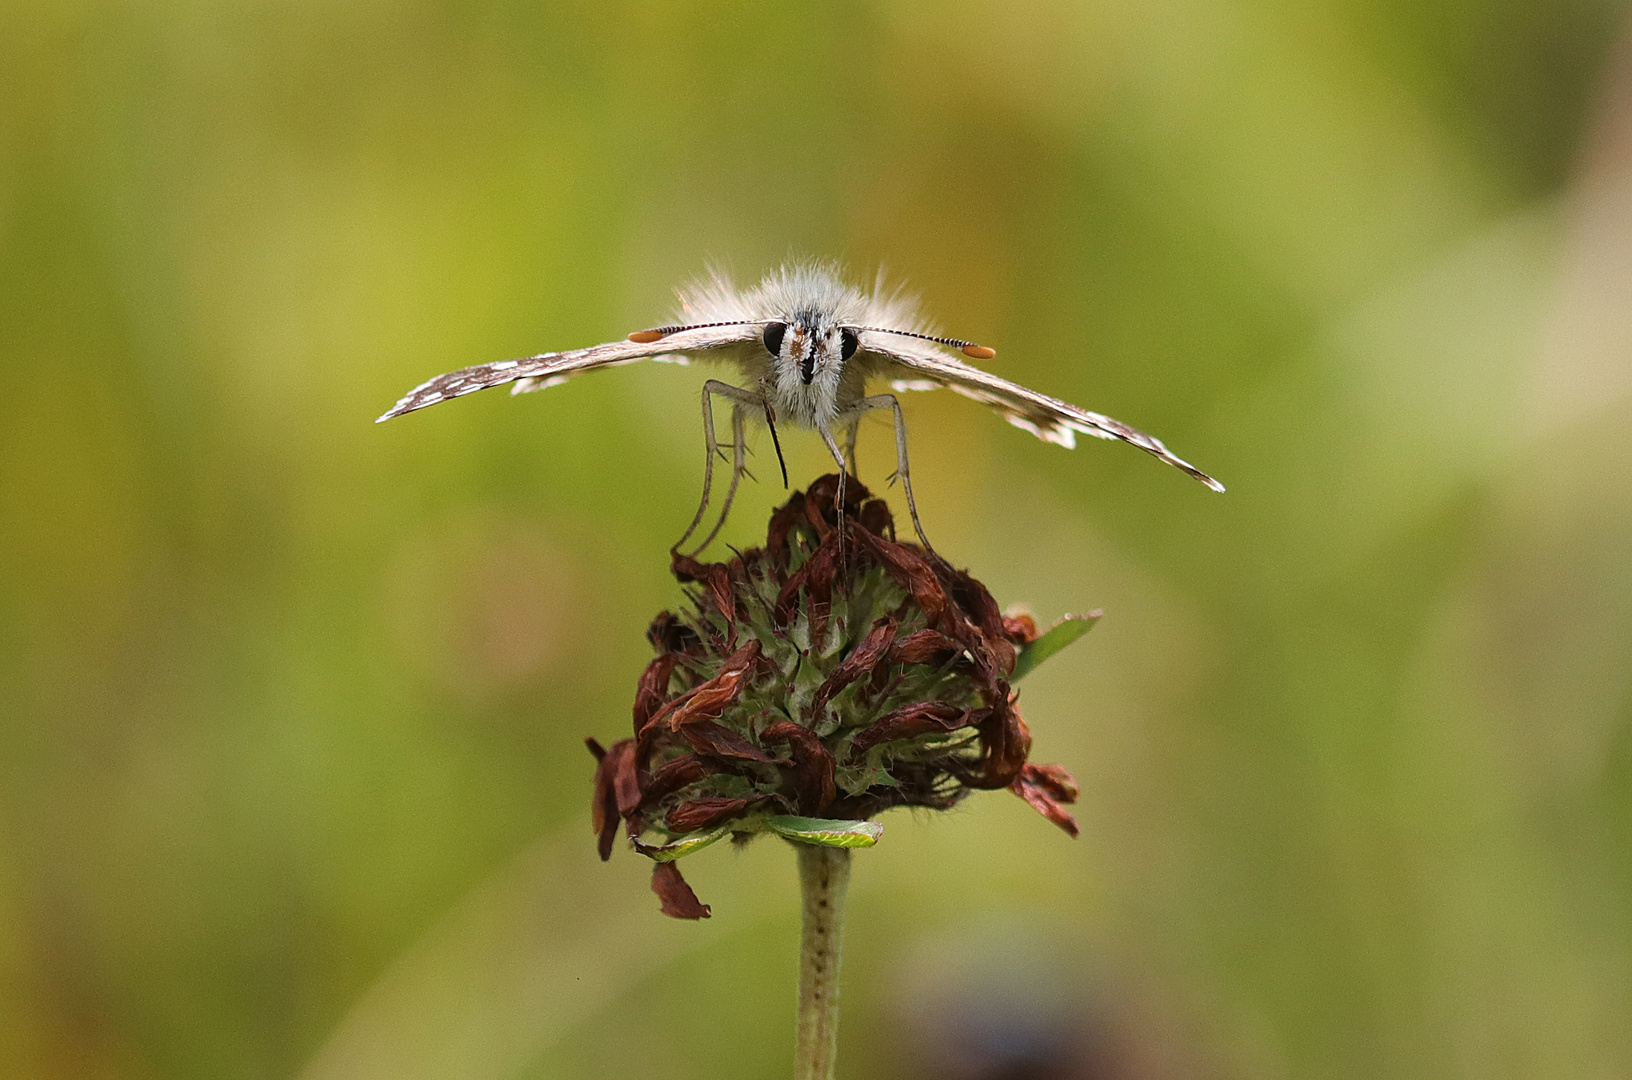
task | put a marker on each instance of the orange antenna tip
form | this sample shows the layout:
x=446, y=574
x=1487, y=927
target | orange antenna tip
x=979, y=352
x=646, y=337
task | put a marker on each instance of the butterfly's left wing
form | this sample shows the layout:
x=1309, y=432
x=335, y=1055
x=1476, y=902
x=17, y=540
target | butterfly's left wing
x=1047, y=418
x=551, y=369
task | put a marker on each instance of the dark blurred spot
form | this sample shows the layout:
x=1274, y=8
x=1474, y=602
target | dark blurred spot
x=1023, y=1007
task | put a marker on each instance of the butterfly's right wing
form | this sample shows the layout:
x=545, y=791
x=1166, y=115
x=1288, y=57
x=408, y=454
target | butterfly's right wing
x=552, y=369
x=1050, y=419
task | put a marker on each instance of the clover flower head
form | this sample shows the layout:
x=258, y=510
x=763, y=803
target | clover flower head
x=816, y=682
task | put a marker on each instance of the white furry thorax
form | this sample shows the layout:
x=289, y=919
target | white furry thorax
x=813, y=302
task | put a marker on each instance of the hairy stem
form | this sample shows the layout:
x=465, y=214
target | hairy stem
x=824, y=874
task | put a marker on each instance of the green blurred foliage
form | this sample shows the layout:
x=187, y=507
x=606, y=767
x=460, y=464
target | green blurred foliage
x=291, y=706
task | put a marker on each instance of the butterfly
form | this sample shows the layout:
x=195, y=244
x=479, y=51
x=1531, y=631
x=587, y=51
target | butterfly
x=806, y=346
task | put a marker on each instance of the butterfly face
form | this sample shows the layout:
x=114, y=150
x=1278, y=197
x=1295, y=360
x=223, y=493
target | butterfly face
x=809, y=346
x=807, y=354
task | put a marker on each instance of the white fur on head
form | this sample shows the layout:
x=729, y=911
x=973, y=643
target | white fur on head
x=797, y=287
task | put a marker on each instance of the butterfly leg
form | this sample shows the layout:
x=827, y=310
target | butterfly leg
x=850, y=446
x=889, y=401
x=739, y=398
x=838, y=499
x=739, y=453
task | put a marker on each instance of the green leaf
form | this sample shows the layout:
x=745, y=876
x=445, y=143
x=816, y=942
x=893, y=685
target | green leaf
x=1061, y=634
x=685, y=845
x=809, y=830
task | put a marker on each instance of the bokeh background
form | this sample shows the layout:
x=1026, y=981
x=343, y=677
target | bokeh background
x=292, y=782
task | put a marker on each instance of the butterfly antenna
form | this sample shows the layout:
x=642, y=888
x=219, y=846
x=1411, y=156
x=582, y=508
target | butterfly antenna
x=646, y=337
x=969, y=348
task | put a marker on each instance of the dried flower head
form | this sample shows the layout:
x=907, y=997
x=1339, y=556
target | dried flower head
x=815, y=682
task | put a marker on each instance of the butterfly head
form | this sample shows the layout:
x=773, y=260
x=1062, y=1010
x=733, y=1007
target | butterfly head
x=809, y=347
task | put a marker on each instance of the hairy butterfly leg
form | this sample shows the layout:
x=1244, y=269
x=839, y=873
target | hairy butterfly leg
x=738, y=397
x=891, y=402
x=739, y=466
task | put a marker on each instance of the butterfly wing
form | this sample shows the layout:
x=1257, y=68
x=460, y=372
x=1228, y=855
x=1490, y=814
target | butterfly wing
x=552, y=369
x=1047, y=418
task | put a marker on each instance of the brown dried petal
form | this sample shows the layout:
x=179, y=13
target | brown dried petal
x=928, y=585
x=1047, y=788
x=819, y=499
x=816, y=578
x=1007, y=741
x=924, y=647
x=705, y=813
x=909, y=720
x=953, y=603
x=708, y=701
x=707, y=737
x=676, y=774
x=1004, y=654
x=614, y=784
x=668, y=634
x=1056, y=780
x=859, y=664
x=782, y=524
x=912, y=572
x=824, y=568
x=992, y=658
x=977, y=605
x=876, y=518
x=603, y=806
x=716, y=577
x=653, y=689
x=679, y=902
x=620, y=764
x=813, y=765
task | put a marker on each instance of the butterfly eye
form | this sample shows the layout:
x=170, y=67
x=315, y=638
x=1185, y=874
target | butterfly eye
x=773, y=337
x=848, y=344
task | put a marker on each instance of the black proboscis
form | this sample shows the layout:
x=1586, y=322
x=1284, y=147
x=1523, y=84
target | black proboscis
x=770, y=422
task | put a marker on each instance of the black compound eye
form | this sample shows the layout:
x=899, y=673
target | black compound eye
x=848, y=344
x=773, y=337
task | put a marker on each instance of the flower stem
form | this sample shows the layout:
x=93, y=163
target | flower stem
x=824, y=874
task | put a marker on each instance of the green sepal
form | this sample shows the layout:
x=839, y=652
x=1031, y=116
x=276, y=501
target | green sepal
x=681, y=847
x=824, y=831
x=1061, y=634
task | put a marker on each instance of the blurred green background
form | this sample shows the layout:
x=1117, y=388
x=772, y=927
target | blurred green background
x=292, y=781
